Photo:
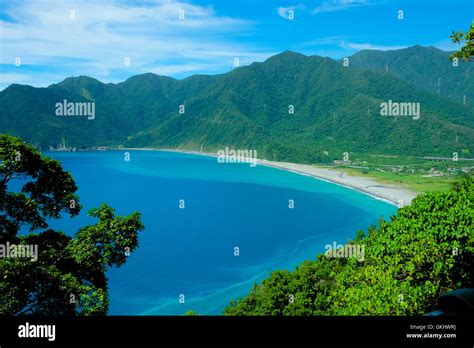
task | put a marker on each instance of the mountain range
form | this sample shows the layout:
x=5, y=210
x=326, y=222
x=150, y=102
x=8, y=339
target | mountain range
x=335, y=103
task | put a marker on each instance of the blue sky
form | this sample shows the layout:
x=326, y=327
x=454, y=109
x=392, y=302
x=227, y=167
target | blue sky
x=58, y=39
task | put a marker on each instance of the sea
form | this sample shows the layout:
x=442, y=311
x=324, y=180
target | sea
x=212, y=230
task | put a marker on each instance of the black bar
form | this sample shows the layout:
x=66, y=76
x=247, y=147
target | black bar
x=134, y=331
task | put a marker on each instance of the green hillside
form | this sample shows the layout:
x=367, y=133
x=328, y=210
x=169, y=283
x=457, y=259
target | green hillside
x=336, y=109
x=426, y=68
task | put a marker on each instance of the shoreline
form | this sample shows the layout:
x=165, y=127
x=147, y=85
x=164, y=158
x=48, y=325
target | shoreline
x=392, y=194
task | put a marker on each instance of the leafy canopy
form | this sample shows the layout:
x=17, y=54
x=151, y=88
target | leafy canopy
x=466, y=40
x=68, y=277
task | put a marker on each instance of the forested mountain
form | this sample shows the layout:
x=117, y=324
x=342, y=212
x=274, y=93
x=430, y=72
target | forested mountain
x=336, y=108
x=426, y=68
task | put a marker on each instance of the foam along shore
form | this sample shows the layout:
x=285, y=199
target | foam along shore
x=393, y=194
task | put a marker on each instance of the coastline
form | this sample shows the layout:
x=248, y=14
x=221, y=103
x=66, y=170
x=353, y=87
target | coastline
x=391, y=194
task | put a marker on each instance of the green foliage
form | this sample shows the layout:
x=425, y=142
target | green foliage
x=422, y=252
x=466, y=52
x=426, y=68
x=105, y=242
x=51, y=191
x=68, y=277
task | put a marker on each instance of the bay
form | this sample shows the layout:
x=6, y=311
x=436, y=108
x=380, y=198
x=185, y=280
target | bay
x=190, y=253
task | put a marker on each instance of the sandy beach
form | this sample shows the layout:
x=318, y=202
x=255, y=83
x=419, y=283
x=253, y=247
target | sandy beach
x=392, y=194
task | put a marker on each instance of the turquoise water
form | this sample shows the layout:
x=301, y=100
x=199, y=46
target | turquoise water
x=190, y=251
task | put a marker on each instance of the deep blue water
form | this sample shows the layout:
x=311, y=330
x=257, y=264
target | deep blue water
x=190, y=251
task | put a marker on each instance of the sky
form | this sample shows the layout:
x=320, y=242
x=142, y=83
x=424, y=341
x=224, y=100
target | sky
x=45, y=41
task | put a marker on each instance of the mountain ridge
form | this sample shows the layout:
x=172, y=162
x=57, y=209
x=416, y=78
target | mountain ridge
x=283, y=53
x=334, y=109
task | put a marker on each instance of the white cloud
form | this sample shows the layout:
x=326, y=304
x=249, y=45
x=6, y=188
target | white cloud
x=105, y=32
x=12, y=78
x=368, y=46
x=283, y=12
x=327, y=40
x=177, y=69
x=338, y=5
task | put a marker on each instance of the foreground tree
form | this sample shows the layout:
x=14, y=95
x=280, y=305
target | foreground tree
x=68, y=277
x=466, y=40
